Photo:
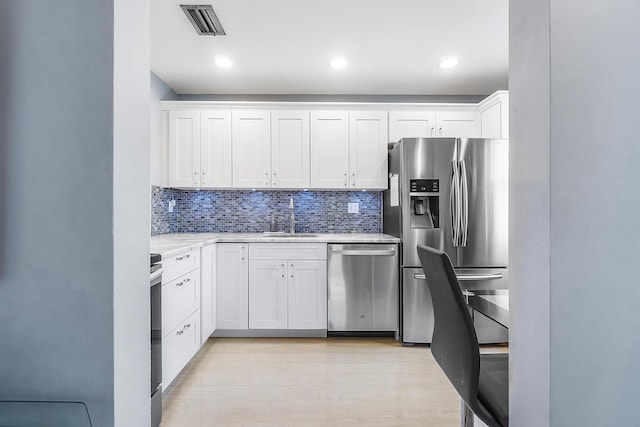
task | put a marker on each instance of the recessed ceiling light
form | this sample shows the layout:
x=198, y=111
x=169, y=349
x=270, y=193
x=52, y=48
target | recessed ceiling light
x=223, y=62
x=338, y=63
x=449, y=63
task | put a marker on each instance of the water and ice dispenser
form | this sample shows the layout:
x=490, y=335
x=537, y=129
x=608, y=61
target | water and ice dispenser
x=425, y=208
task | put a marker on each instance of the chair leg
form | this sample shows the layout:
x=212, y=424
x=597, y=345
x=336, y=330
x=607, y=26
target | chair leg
x=466, y=416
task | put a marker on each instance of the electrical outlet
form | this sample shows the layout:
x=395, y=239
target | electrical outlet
x=172, y=204
x=353, y=208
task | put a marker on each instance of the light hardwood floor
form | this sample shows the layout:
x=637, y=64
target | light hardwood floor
x=311, y=382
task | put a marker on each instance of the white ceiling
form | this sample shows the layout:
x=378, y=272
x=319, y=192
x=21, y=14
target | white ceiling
x=393, y=47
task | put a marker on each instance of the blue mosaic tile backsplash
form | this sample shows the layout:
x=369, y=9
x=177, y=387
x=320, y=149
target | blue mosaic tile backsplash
x=250, y=211
x=162, y=222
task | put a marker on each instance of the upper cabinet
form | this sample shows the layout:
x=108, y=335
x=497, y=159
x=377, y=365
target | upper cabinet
x=349, y=149
x=368, y=140
x=301, y=146
x=290, y=161
x=199, y=148
x=251, y=149
x=426, y=123
x=494, y=115
x=330, y=149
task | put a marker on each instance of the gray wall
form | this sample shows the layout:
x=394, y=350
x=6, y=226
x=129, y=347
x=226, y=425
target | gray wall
x=529, y=219
x=56, y=198
x=583, y=230
x=59, y=188
x=473, y=99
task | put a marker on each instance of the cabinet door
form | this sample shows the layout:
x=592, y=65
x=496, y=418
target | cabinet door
x=184, y=148
x=251, y=149
x=307, y=290
x=208, y=292
x=290, y=149
x=268, y=294
x=411, y=124
x=215, y=149
x=368, y=137
x=330, y=149
x=232, y=286
x=458, y=124
x=494, y=121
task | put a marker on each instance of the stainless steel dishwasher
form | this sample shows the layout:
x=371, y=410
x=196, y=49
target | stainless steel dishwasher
x=363, y=288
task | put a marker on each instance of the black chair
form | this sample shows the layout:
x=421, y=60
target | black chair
x=480, y=379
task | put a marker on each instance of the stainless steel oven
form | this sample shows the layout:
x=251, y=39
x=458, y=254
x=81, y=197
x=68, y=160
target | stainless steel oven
x=156, y=340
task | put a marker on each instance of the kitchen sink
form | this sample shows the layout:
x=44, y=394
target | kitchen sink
x=283, y=234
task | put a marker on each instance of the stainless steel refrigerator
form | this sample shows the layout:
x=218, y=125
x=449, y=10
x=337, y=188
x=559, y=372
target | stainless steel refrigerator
x=450, y=194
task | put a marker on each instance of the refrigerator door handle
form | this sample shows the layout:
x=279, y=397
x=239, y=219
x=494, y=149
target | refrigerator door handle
x=478, y=277
x=464, y=190
x=419, y=276
x=453, y=203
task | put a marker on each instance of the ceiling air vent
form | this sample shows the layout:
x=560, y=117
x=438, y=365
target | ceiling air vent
x=204, y=19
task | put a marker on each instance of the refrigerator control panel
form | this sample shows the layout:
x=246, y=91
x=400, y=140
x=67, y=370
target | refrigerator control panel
x=424, y=185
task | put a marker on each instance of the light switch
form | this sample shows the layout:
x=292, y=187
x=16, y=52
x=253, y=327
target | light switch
x=353, y=207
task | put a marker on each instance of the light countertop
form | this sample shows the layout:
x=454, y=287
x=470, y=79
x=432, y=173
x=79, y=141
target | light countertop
x=175, y=243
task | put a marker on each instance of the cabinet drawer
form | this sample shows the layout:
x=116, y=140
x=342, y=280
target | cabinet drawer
x=177, y=265
x=179, y=346
x=180, y=298
x=288, y=251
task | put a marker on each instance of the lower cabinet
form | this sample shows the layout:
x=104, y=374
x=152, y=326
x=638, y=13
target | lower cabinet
x=287, y=294
x=180, y=314
x=287, y=291
x=179, y=346
x=232, y=286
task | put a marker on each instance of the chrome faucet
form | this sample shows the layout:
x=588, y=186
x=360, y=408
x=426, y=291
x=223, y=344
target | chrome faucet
x=292, y=219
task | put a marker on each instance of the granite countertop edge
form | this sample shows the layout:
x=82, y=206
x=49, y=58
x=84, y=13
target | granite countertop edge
x=176, y=243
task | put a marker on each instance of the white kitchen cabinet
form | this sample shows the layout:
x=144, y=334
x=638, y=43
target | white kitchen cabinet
x=232, y=286
x=251, y=149
x=287, y=286
x=267, y=294
x=307, y=294
x=184, y=148
x=178, y=347
x=207, y=292
x=200, y=148
x=330, y=149
x=215, y=149
x=368, y=139
x=411, y=124
x=349, y=149
x=425, y=124
x=459, y=124
x=180, y=312
x=494, y=116
x=290, y=150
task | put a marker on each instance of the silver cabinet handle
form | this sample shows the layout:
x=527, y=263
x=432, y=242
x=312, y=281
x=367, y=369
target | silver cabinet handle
x=477, y=277
x=187, y=326
x=353, y=182
x=274, y=179
x=345, y=180
x=187, y=280
x=195, y=175
x=432, y=130
x=364, y=252
x=242, y=254
x=180, y=332
x=266, y=181
x=440, y=130
x=180, y=258
x=419, y=276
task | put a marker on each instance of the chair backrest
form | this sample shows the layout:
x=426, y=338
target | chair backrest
x=454, y=344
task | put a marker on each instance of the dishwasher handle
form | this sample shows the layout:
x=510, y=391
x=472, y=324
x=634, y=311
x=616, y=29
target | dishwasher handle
x=364, y=252
x=465, y=277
